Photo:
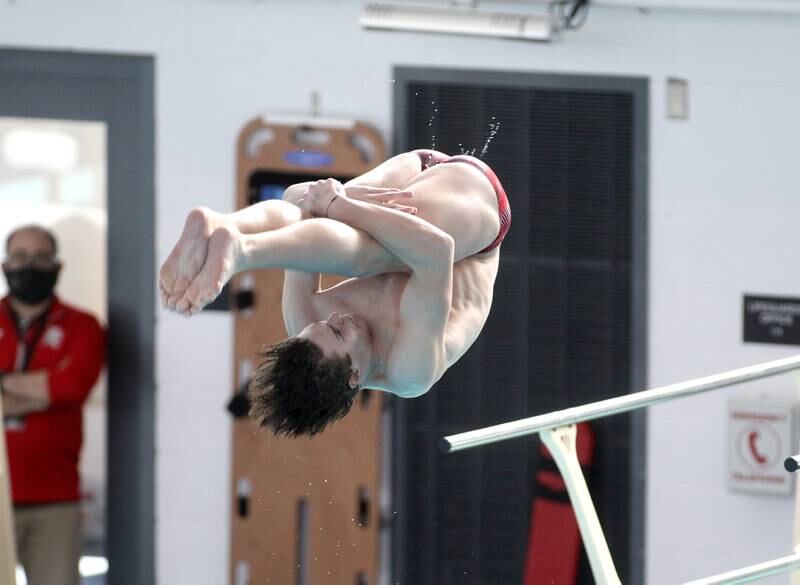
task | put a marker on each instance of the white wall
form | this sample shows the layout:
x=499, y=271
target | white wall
x=724, y=216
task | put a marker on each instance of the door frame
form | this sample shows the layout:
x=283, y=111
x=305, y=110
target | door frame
x=117, y=90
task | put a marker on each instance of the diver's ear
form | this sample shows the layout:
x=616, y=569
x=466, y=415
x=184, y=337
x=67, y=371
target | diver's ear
x=355, y=379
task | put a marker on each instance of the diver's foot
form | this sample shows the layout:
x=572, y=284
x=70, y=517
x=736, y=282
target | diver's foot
x=220, y=264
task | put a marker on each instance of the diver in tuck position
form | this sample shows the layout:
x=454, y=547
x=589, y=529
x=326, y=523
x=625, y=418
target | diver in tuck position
x=420, y=290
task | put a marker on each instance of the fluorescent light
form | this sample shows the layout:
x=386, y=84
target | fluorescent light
x=45, y=150
x=88, y=567
x=455, y=20
x=93, y=566
x=21, y=578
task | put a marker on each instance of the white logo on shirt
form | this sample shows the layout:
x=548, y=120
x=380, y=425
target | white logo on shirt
x=54, y=337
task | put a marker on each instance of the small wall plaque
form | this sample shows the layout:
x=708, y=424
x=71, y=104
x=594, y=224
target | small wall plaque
x=771, y=320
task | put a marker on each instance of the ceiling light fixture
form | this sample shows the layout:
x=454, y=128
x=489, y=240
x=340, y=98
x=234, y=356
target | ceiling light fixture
x=457, y=20
x=43, y=150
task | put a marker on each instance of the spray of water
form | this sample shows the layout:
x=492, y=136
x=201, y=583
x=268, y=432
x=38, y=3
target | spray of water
x=433, y=136
x=430, y=124
x=494, y=127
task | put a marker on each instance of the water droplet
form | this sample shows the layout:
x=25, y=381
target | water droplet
x=493, y=129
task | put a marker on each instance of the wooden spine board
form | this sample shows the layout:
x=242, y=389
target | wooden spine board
x=351, y=450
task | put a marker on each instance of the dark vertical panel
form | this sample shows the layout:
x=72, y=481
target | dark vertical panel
x=638, y=331
x=561, y=327
x=119, y=91
x=131, y=379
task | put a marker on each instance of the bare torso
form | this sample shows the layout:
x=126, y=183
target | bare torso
x=457, y=198
x=377, y=299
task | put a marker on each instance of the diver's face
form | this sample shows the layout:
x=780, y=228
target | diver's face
x=343, y=336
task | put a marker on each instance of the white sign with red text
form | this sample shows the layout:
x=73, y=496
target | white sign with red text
x=761, y=435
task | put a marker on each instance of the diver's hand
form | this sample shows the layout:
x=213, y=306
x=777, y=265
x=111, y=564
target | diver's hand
x=319, y=196
x=385, y=197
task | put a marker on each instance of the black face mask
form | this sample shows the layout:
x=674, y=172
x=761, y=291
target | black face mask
x=31, y=285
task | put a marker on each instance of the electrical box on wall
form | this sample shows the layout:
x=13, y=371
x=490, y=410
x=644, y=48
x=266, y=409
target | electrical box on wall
x=762, y=432
x=677, y=99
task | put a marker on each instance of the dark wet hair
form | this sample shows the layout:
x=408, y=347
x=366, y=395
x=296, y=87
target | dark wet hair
x=34, y=228
x=296, y=390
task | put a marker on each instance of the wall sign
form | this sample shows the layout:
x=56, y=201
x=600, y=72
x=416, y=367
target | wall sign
x=308, y=158
x=761, y=434
x=771, y=320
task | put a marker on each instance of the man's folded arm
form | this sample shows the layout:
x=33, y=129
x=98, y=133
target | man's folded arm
x=414, y=241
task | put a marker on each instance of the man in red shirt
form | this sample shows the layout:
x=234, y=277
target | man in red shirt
x=51, y=355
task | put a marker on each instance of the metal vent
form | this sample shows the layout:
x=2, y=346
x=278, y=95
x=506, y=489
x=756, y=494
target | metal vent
x=560, y=329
